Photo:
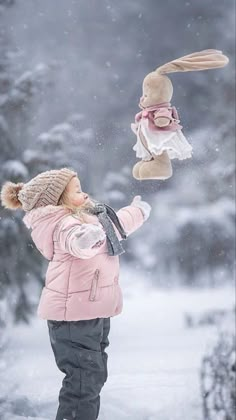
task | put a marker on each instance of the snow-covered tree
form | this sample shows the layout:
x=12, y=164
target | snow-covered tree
x=20, y=262
x=218, y=379
x=68, y=144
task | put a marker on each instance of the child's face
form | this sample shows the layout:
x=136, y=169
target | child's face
x=74, y=193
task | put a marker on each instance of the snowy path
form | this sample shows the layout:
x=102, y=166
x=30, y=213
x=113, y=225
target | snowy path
x=153, y=361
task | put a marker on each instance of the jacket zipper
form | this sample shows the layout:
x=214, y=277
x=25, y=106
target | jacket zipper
x=94, y=286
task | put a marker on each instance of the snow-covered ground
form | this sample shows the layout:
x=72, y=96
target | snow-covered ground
x=154, y=359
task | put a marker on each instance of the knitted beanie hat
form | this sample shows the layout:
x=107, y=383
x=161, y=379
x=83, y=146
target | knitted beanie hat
x=42, y=190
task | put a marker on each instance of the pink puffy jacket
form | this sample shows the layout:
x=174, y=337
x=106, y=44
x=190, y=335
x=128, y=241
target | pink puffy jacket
x=80, y=284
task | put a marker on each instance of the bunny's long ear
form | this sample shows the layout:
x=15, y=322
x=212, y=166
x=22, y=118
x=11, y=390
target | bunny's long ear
x=202, y=60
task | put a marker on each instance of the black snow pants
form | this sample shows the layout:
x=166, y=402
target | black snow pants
x=79, y=350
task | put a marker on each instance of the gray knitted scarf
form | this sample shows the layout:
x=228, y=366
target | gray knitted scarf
x=107, y=216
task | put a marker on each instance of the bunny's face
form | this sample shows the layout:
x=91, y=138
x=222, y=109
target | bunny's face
x=156, y=89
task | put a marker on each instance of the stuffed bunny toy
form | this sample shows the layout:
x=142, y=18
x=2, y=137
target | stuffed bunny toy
x=157, y=126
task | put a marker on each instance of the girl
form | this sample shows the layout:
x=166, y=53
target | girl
x=81, y=239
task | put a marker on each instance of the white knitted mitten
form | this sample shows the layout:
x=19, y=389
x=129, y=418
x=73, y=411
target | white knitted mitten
x=142, y=205
x=89, y=235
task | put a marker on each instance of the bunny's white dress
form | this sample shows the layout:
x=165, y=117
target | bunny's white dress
x=159, y=139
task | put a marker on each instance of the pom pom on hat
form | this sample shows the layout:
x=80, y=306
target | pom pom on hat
x=9, y=195
x=42, y=190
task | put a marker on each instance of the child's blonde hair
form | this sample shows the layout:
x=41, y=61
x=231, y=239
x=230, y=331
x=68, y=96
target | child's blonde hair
x=78, y=211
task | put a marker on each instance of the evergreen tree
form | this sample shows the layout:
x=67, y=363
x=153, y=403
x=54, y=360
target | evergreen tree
x=21, y=264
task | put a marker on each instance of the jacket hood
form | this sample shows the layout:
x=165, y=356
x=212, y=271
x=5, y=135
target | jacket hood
x=43, y=221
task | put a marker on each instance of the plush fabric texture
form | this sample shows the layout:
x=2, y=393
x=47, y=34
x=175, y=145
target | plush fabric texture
x=80, y=283
x=159, y=135
x=45, y=189
x=200, y=60
x=161, y=110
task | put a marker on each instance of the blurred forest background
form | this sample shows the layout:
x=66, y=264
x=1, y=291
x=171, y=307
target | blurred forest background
x=70, y=81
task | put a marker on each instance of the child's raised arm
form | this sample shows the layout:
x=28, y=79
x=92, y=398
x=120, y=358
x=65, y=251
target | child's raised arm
x=133, y=216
